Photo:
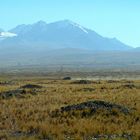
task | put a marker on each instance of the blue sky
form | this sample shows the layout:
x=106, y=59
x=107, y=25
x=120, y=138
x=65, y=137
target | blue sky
x=110, y=18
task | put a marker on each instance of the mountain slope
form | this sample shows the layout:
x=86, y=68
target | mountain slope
x=137, y=49
x=1, y=30
x=61, y=34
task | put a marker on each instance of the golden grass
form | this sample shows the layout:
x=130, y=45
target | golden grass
x=31, y=115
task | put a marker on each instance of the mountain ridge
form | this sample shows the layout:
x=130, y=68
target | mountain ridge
x=60, y=34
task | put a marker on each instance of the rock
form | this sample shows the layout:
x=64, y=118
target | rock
x=12, y=93
x=67, y=78
x=95, y=105
x=111, y=136
x=91, y=107
x=112, y=81
x=82, y=82
x=31, y=86
x=130, y=86
x=20, y=93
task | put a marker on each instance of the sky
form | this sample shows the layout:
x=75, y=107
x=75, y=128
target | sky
x=109, y=18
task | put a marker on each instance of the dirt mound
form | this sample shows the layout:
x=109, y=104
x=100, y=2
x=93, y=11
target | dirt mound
x=130, y=86
x=67, y=78
x=82, y=82
x=111, y=137
x=91, y=107
x=87, y=89
x=12, y=93
x=19, y=93
x=31, y=86
x=95, y=105
x=112, y=81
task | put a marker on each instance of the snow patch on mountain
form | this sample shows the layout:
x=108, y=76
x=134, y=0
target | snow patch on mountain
x=7, y=34
x=80, y=27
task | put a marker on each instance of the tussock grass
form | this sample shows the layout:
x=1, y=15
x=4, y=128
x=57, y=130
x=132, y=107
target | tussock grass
x=31, y=116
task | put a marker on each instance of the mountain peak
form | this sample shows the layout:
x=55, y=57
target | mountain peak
x=68, y=23
x=63, y=22
x=41, y=23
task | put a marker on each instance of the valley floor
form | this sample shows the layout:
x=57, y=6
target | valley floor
x=31, y=108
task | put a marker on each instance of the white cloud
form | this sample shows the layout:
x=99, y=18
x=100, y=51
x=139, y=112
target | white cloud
x=7, y=34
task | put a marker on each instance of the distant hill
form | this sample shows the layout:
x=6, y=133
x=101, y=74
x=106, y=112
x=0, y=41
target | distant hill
x=61, y=34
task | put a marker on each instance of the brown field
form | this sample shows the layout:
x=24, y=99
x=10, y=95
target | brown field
x=28, y=113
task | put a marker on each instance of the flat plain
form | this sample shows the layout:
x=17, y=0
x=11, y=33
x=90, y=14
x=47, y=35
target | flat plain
x=44, y=108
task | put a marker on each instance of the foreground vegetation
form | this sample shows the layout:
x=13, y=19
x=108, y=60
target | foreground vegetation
x=30, y=108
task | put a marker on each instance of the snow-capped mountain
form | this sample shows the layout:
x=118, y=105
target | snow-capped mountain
x=60, y=34
x=63, y=43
